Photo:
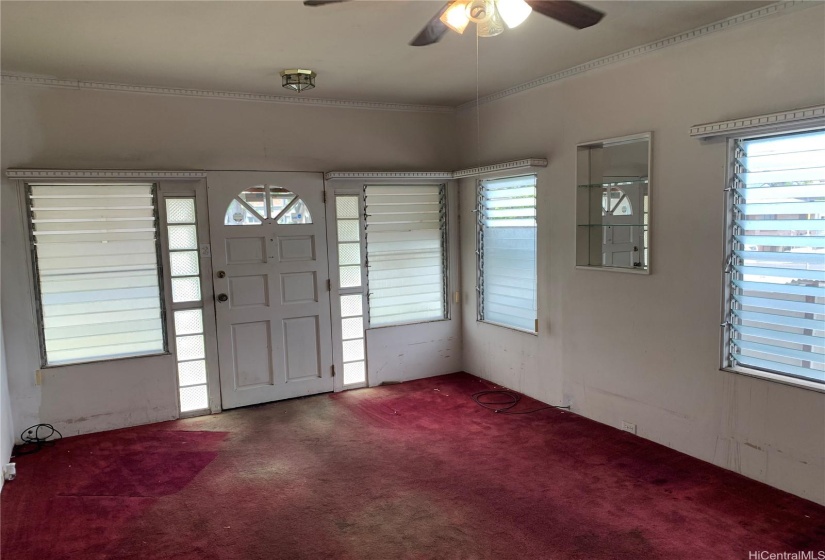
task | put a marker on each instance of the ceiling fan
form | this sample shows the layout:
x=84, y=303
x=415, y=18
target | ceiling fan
x=491, y=15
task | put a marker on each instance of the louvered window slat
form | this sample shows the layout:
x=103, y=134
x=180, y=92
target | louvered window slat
x=96, y=257
x=507, y=252
x=406, y=253
x=776, y=303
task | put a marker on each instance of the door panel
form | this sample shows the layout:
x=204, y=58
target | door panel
x=623, y=240
x=273, y=326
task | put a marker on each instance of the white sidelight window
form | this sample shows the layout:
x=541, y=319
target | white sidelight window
x=348, y=224
x=406, y=231
x=95, y=255
x=774, y=316
x=187, y=304
x=507, y=280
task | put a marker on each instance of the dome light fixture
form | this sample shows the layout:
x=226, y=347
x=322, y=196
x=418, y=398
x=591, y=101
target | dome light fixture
x=298, y=79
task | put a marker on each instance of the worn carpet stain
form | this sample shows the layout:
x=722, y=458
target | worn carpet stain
x=410, y=471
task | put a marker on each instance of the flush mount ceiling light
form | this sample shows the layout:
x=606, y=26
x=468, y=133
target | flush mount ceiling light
x=298, y=80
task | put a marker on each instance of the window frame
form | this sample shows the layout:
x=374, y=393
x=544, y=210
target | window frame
x=445, y=252
x=725, y=361
x=479, y=232
x=28, y=213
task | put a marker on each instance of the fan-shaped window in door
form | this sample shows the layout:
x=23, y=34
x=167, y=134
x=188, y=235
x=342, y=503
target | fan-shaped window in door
x=256, y=204
x=616, y=203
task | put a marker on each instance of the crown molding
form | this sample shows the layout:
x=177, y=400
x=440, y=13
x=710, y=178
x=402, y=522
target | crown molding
x=521, y=164
x=388, y=175
x=45, y=81
x=722, y=25
x=808, y=115
x=781, y=7
x=100, y=174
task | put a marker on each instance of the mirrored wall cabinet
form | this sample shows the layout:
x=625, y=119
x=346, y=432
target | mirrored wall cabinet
x=613, y=204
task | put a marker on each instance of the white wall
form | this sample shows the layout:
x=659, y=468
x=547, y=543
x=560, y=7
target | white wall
x=6, y=422
x=646, y=348
x=85, y=129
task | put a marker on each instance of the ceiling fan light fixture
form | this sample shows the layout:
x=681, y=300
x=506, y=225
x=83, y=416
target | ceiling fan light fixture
x=455, y=16
x=491, y=26
x=513, y=12
x=298, y=79
x=480, y=10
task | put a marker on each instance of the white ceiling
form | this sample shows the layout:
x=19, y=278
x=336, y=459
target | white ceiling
x=359, y=49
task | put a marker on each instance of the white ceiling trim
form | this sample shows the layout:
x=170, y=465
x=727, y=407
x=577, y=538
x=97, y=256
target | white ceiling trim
x=100, y=174
x=8, y=79
x=813, y=116
x=722, y=25
x=521, y=164
x=388, y=175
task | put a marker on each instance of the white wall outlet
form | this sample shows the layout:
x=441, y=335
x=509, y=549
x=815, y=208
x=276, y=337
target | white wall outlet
x=628, y=427
x=9, y=471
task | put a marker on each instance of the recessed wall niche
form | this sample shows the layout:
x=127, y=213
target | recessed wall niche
x=613, y=204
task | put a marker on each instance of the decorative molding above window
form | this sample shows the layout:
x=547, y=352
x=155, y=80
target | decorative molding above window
x=388, y=175
x=809, y=116
x=100, y=174
x=518, y=165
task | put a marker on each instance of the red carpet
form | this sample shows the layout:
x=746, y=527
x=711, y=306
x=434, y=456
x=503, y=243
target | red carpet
x=414, y=471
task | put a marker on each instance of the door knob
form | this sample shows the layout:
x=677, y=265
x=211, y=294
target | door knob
x=222, y=297
x=221, y=274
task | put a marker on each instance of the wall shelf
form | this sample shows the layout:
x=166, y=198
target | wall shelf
x=613, y=204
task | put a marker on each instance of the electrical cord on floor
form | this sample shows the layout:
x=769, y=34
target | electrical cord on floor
x=505, y=402
x=36, y=438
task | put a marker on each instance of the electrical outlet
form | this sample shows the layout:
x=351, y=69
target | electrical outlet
x=628, y=427
x=9, y=471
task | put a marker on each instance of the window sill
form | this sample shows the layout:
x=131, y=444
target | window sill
x=390, y=325
x=643, y=271
x=508, y=327
x=777, y=378
x=105, y=360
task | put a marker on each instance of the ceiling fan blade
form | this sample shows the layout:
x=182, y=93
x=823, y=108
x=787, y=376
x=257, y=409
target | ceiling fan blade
x=572, y=13
x=316, y=3
x=433, y=31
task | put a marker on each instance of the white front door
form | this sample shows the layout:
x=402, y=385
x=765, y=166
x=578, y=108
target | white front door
x=623, y=236
x=269, y=258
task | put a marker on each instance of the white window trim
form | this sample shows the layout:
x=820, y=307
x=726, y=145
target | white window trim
x=445, y=257
x=335, y=284
x=167, y=183
x=193, y=188
x=504, y=174
x=731, y=135
x=24, y=185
